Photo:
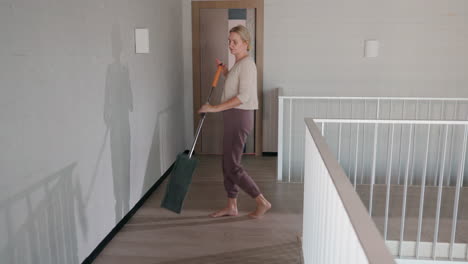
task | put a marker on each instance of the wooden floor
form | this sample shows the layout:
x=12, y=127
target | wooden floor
x=155, y=235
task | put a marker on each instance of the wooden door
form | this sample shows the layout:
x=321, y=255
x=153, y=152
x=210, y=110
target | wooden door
x=211, y=22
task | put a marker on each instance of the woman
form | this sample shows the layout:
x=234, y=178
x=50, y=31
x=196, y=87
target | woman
x=238, y=102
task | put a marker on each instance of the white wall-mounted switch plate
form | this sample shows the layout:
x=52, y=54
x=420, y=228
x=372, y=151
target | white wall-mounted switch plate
x=141, y=40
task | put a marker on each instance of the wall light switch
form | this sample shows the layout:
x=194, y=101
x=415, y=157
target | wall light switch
x=371, y=48
x=141, y=40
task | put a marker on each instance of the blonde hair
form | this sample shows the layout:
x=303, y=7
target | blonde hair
x=243, y=33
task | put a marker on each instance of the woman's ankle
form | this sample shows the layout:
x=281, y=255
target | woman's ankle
x=232, y=203
x=261, y=199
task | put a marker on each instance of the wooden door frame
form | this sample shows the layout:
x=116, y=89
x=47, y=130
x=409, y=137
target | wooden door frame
x=259, y=20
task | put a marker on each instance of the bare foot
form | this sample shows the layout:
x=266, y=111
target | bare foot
x=262, y=207
x=225, y=212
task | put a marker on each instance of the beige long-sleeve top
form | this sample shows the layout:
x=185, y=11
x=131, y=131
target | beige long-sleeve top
x=241, y=81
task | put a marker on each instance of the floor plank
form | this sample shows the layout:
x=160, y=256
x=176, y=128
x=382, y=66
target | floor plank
x=155, y=235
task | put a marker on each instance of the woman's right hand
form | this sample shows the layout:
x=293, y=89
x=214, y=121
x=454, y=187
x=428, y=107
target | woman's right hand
x=225, y=70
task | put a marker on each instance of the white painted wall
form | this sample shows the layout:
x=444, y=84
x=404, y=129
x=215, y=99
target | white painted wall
x=58, y=165
x=188, y=71
x=316, y=47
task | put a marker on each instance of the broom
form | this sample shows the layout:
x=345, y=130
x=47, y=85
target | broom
x=181, y=175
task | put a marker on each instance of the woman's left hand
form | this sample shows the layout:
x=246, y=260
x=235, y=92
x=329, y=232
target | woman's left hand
x=206, y=108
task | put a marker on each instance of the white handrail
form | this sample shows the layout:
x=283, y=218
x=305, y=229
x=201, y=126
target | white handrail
x=336, y=226
x=408, y=153
x=381, y=150
x=380, y=121
x=374, y=98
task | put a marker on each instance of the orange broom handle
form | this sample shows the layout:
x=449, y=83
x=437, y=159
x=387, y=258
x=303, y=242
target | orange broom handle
x=218, y=73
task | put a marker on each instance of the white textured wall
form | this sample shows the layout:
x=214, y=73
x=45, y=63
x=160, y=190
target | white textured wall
x=59, y=61
x=316, y=47
x=188, y=71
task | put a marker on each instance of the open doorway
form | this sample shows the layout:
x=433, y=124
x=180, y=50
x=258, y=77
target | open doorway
x=211, y=22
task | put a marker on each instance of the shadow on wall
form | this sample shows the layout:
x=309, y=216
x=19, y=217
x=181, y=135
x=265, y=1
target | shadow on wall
x=117, y=107
x=168, y=139
x=153, y=167
x=39, y=221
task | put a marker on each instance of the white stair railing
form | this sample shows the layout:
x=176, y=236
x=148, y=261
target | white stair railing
x=336, y=226
x=401, y=174
x=293, y=109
